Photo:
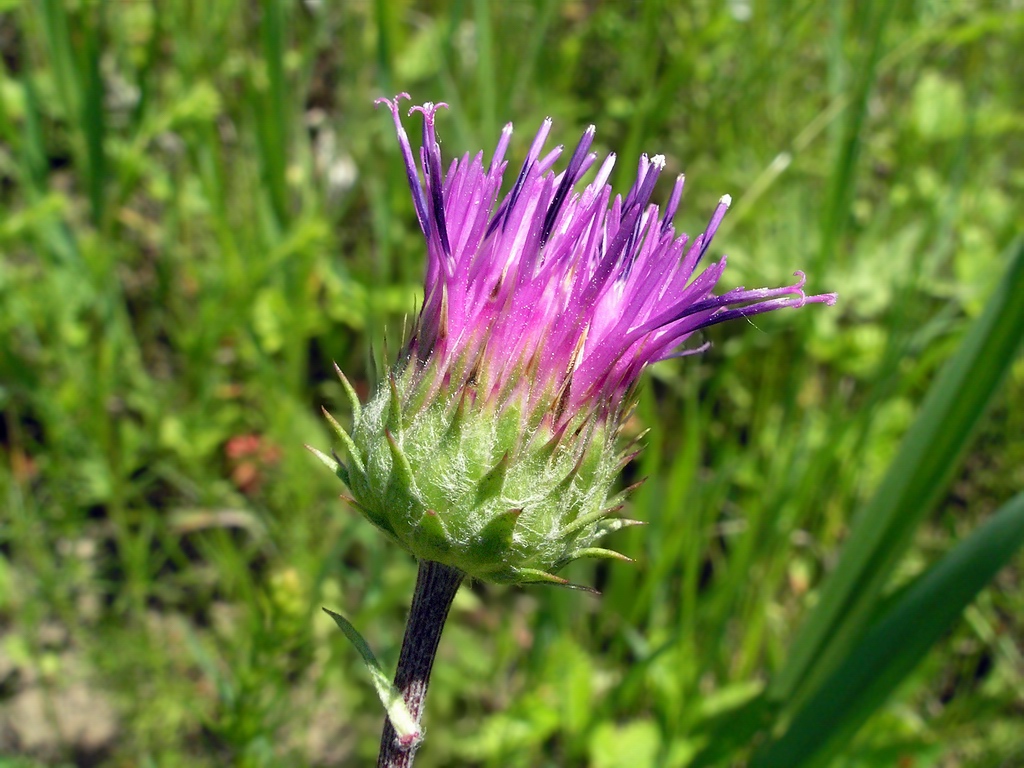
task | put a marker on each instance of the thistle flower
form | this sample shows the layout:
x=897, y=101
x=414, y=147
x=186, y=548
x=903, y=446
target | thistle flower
x=493, y=446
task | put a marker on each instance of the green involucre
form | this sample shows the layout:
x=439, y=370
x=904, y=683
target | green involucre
x=484, y=489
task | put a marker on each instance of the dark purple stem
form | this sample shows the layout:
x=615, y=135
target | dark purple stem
x=436, y=585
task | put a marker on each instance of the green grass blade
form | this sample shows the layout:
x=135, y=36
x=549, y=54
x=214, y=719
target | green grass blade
x=57, y=38
x=893, y=647
x=384, y=13
x=915, y=480
x=871, y=19
x=486, y=80
x=273, y=108
x=93, y=117
x=55, y=238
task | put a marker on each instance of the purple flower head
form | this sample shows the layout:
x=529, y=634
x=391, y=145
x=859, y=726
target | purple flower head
x=559, y=293
x=493, y=446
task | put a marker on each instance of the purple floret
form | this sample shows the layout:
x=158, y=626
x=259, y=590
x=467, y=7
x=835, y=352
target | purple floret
x=558, y=294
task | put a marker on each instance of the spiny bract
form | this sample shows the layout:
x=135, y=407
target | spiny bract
x=476, y=487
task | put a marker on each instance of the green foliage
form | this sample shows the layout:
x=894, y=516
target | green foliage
x=201, y=210
x=894, y=644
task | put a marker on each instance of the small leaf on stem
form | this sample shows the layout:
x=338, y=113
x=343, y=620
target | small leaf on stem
x=405, y=725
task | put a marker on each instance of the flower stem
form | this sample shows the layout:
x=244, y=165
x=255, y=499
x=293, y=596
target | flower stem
x=436, y=585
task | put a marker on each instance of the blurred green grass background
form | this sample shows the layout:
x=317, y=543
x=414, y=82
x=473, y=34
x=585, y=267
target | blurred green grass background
x=201, y=210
